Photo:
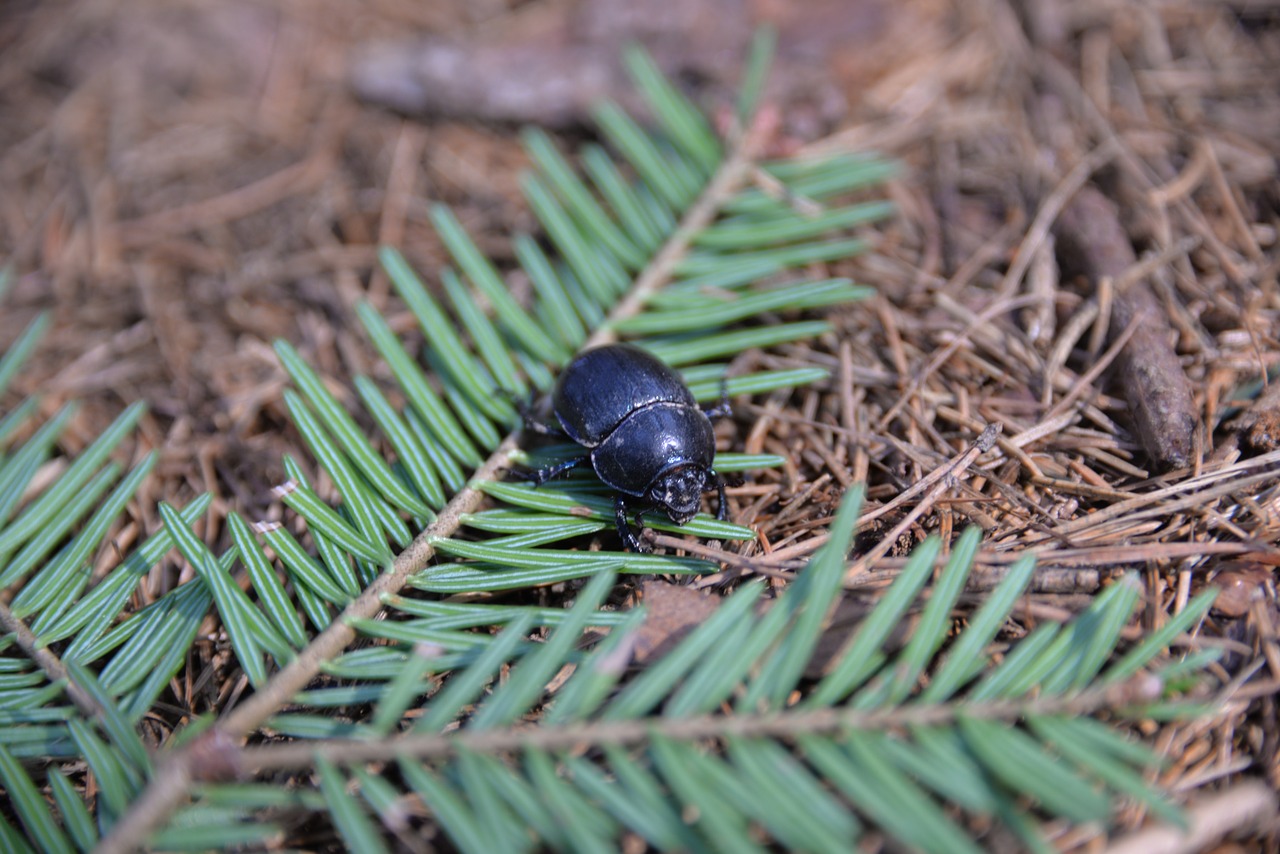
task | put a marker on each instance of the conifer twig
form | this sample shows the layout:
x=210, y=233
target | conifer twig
x=175, y=774
x=784, y=724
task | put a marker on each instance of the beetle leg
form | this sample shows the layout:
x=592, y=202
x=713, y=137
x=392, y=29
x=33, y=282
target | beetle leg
x=722, y=512
x=723, y=409
x=544, y=429
x=542, y=475
x=533, y=426
x=629, y=540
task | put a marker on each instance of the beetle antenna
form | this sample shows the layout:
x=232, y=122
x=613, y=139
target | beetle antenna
x=723, y=409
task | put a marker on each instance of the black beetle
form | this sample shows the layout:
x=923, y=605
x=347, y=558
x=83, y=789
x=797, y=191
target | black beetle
x=648, y=439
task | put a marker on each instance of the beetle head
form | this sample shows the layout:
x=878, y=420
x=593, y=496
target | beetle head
x=679, y=492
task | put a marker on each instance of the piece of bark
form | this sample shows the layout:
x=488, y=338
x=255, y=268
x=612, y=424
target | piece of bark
x=1240, y=584
x=671, y=612
x=675, y=610
x=1257, y=429
x=536, y=82
x=1246, y=807
x=550, y=69
x=1093, y=242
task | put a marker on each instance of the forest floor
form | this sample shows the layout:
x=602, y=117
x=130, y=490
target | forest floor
x=1084, y=253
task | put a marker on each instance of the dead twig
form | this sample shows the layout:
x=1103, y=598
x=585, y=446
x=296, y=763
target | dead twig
x=1092, y=240
x=945, y=478
x=47, y=662
x=1245, y=807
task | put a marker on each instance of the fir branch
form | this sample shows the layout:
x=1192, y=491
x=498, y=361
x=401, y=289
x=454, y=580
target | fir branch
x=1131, y=694
x=735, y=171
x=175, y=774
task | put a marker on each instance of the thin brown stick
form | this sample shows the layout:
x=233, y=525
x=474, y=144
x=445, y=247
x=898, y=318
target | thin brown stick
x=1085, y=381
x=278, y=757
x=940, y=479
x=737, y=561
x=1235, y=473
x=997, y=307
x=47, y=661
x=405, y=157
x=293, y=179
x=944, y=482
x=1049, y=212
x=1246, y=806
x=951, y=469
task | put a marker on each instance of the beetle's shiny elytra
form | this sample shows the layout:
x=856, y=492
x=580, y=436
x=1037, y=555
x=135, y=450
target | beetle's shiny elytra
x=646, y=437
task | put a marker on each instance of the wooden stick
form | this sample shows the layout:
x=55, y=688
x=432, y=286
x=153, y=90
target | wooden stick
x=1091, y=240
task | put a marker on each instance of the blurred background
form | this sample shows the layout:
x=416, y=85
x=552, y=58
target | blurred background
x=181, y=182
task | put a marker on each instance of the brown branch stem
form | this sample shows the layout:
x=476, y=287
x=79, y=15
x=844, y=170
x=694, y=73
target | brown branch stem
x=1246, y=806
x=47, y=661
x=786, y=724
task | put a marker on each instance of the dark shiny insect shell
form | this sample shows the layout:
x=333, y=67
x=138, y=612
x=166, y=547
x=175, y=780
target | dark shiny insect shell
x=646, y=436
